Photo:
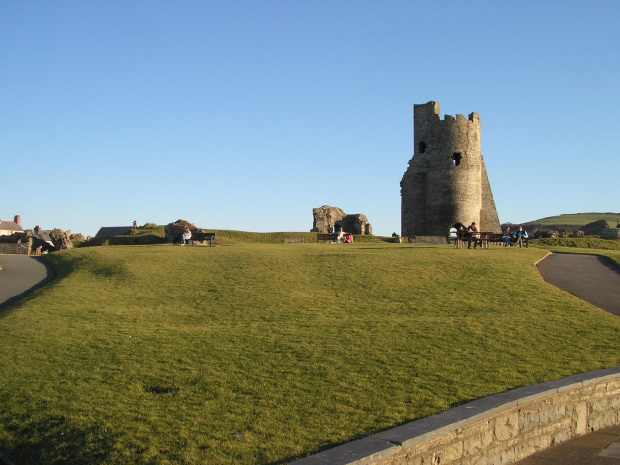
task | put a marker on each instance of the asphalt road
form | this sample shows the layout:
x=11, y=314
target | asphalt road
x=21, y=275
x=589, y=277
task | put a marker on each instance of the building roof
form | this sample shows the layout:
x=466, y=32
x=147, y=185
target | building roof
x=45, y=236
x=113, y=231
x=10, y=226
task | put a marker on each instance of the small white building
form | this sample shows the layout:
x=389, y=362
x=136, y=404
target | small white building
x=8, y=228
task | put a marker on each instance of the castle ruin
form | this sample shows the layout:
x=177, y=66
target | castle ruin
x=328, y=219
x=446, y=182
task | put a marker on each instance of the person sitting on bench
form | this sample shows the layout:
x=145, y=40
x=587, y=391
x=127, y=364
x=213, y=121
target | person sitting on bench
x=521, y=237
x=506, y=237
x=475, y=237
x=186, y=236
x=340, y=237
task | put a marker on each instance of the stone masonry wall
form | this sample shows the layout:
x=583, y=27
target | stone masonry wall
x=11, y=249
x=427, y=239
x=446, y=181
x=496, y=430
x=328, y=219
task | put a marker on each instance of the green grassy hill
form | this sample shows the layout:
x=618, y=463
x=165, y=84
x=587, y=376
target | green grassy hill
x=577, y=219
x=261, y=353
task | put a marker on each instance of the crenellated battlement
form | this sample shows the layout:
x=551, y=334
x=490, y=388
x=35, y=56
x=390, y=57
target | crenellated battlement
x=432, y=112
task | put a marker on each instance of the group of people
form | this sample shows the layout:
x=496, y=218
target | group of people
x=519, y=238
x=472, y=235
x=343, y=238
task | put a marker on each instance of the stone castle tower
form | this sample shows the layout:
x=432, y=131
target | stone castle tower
x=446, y=181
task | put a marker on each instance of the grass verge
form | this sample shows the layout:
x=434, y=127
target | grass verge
x=261, y=353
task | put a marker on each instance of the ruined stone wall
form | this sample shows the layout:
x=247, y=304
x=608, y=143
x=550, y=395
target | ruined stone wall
x=446, y=181
x=12, y=249
x=327, y=219
x=611, y=233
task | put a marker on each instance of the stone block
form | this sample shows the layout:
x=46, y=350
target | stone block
x=507, y=456
x=579, y=420
x=532, y=445
x=602, y=420
x=557, y=412
x=449, y=453
x=476, y=444
x=361, y=452
x=528, y=394
x=602, y=405
x=506, y=426
x=530, y=420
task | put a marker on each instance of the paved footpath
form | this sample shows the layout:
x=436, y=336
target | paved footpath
x=589, y=277
x=599, y=448
x=21, y=275
x=597, y=281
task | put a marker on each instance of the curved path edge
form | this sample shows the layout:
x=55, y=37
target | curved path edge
x=500, y=429
x=21, y=275
x=592, y=278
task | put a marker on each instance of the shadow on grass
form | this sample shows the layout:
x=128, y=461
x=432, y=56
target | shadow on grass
x=54, y=441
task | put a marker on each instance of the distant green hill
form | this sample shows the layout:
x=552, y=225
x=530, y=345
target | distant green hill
x=577, y=219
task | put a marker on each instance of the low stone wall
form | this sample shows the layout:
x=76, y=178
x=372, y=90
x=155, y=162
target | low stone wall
x=427, y=240
x=12, y=249
x=610, y=233
x=496, y=430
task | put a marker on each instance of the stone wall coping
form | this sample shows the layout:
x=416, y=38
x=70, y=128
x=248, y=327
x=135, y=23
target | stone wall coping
x=386, y=443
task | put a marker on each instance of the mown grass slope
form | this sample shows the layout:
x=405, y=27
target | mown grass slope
x=260, y=353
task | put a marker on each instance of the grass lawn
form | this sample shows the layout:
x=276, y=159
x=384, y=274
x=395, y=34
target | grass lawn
x=262, y=353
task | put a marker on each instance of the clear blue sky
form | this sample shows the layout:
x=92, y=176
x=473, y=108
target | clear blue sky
x=247, y=114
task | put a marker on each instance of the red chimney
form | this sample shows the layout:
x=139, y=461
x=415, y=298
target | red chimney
x=18, y=220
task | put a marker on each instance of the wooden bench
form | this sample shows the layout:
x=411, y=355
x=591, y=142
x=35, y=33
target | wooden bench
x=200, y=236
x=484, y=238
x=326, y=237
x=489, y=238
x=331, y=237
x=293, y=240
